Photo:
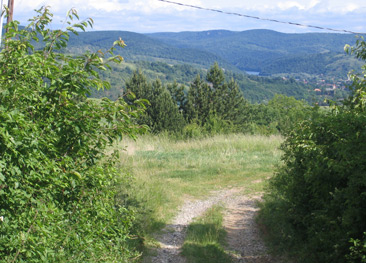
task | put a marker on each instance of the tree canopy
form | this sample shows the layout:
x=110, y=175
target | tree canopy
x=57, y=184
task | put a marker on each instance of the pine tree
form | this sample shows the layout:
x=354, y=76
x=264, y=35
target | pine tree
x=162, y=113
x=233, y=105
x=227, y=99
x=199, y=101
x=138, y=86
x=178, y=94
x=216, y=76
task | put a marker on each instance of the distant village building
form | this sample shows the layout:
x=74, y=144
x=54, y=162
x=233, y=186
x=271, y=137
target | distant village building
x=331, y=90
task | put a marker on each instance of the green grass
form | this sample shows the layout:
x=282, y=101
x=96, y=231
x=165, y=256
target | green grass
x=204, y=240
x=168, y=172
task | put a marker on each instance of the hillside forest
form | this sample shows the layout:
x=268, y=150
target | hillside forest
x=68, y=98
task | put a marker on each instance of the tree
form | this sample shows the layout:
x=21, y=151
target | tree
x=199, y=101
x=215, y=76
x=162, y=113
x=219, y=99
x=233, y=104
x=57, y=184
x=178, y=94
x=288, y=112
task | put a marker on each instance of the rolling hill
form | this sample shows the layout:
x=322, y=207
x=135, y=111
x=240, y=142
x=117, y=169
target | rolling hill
x=144, y=48
x=255, y=50
x=181, y=56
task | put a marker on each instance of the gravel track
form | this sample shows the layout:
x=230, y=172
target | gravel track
x=243, y=238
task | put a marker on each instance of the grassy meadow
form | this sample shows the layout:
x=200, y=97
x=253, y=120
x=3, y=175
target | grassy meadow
x=166, y=172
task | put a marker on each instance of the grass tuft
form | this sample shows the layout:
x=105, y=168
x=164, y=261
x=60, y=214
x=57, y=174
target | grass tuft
x=204, y=240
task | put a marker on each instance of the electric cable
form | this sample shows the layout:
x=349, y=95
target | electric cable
x=261, y=18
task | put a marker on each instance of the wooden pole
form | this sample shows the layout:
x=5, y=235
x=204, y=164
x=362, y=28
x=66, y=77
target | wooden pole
x=11, y=11
x=1, y=21
x=10, y=15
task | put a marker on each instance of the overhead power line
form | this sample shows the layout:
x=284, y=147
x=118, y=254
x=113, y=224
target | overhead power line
x=261, y=18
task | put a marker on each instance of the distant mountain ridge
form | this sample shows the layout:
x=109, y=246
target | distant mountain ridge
x=141, y=47
x=265, y=51
x=254, y=50
x=292, y=59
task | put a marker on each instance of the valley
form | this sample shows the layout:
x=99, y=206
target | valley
x=295, y=65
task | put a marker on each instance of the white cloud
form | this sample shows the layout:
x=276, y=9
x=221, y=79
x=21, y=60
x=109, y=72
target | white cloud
x=154, y=15
x=107, y=6
x=289, y=5
x=351, y=7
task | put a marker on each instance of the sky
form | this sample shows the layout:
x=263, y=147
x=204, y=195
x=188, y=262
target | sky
x=145, y=16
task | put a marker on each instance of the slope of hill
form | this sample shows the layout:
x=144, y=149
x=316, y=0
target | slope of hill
x=181, y=56
x=144, y=48
x=256, y=49
x=255, y=89
x=265, y=51
x=329, y=64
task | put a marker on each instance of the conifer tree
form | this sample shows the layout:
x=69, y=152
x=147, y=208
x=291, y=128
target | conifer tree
x=178, y=94
x=233, y=105
x=216, y=76
x=216, y=98
x=162, y=112
x=199, y=101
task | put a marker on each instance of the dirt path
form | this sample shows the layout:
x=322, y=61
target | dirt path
x=242, y=238
x=242, y=231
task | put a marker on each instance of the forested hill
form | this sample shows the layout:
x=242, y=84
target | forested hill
x=144, y=48
x=255, y=50
x=265, y=51
x=180, y=56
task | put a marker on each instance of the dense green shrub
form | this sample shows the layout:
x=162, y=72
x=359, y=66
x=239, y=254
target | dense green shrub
x=57, y=185
x=317, y=199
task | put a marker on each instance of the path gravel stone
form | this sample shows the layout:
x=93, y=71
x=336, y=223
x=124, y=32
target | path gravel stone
x=239, y=221
x=242, y=231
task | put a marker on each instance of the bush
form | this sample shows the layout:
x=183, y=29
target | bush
x=317, y=200
x=57, y=185
x=357, y=250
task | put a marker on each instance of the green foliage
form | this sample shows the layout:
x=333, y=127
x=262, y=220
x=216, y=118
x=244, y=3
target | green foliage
x=141, y=47
x=203, y=242
x=57, y=185
x=317, y=200
x=216, y=125
x=213, y=107
x=357, y=250
x=162, y=113
x=280, y=115
x=257, y=89
x=218, y=102
x=288, y=112
x=181, y=56
x=216, y=106
x=199, y=104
